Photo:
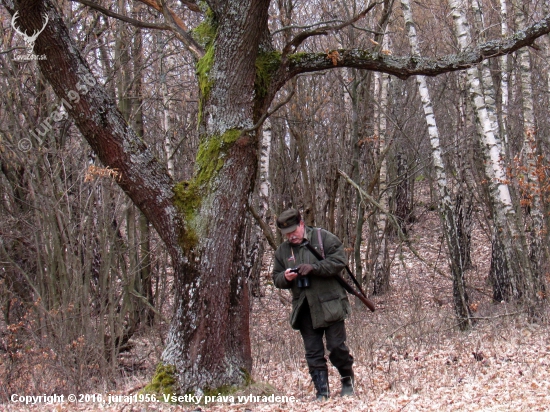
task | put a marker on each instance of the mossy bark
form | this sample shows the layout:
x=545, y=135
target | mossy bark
x=163, y=382
x=208, y=343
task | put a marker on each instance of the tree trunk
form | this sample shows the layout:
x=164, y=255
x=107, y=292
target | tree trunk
x=208, y=341
x=446, y=212
x=516, y=264
x=381, y=256
x=530, y=187
x=504, y=76
x=265, y=180
x=356, y=90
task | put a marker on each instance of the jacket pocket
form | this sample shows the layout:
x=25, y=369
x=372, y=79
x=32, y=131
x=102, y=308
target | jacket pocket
x=331, y=305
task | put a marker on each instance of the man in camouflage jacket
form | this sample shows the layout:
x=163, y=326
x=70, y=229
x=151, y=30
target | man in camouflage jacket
x=319, y=302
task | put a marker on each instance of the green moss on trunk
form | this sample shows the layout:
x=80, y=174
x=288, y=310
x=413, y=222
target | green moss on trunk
x=163, y=382
x=189, y=194
x=205, y=33
x=299, y=57
x=266, y=66
x=204, y=66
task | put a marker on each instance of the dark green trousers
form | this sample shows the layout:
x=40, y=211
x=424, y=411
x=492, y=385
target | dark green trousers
x=335, y=335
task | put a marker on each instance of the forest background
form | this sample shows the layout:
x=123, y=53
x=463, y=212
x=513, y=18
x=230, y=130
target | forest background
x=146, y=148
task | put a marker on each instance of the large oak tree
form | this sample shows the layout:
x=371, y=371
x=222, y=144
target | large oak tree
x=201, y=221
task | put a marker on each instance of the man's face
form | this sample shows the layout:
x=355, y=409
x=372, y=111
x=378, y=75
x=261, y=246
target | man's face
x=297, y=236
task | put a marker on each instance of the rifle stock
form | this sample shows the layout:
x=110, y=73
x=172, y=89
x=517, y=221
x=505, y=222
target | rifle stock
x=368, y=303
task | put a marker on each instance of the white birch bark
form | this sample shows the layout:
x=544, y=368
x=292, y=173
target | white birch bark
x=381, y=269
x=166, y=124
x=490, y=140
x=445, y=204
x=488, y=86
x=506, y=226
x=517, y=271
x=264, y=166
x=381, y=266
x=504, y=75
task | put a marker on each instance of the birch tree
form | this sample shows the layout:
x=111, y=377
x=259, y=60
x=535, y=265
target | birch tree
x=504, y=75
x=446, y=209
x=513, y=276
x=381, y=257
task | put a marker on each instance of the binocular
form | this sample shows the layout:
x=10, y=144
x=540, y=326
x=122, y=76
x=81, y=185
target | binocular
x=301, y=281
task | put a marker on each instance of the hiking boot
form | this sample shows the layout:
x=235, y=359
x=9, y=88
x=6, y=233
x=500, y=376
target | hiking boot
x=320, y=380
x=348, y=382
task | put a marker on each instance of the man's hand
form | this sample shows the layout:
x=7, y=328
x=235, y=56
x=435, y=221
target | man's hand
x=290, y=276
x=304, y=269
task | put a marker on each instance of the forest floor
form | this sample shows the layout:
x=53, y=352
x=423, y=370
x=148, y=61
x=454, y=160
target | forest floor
x=409, y=354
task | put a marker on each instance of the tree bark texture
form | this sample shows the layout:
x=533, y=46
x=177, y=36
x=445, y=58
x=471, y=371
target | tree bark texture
x=531, y=187
x=516, y=262
x=446, y=211
x=380, y=249
x=208, y=341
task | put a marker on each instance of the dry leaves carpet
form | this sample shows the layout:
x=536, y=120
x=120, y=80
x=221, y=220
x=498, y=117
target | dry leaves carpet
x=409, y=354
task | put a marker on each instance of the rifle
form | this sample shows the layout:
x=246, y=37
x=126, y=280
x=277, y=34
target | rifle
x=349, y=288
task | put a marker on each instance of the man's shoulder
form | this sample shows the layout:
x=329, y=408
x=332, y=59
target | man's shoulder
x=315, y=229
x=325, y=234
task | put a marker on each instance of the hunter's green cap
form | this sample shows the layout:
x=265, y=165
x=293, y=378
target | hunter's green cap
x=288, y=221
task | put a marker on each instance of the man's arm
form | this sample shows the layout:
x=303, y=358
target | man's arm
x=278, y=274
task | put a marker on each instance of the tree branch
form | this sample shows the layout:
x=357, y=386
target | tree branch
x=173, y=23
x=142, y=177
x=269, y=113
x=264, y=226
x=407, y=66
x=300, y=38
x=365, y=196
x=179, y=29
x=12, y=49
x=191, y=5
x=132, y=21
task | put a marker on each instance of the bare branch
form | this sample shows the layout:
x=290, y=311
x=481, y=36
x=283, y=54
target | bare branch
x=269, y=113
x=180, y=30
x=132, y=21
x=365, y=196
x=173, y=23
x=12, y=49
x=308, y=26
x=300, y=38
x=191, y=5
x=144, y=179
x=406, y=66
x=264, y=226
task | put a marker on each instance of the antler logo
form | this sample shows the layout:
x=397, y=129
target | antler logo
x=29, y=40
